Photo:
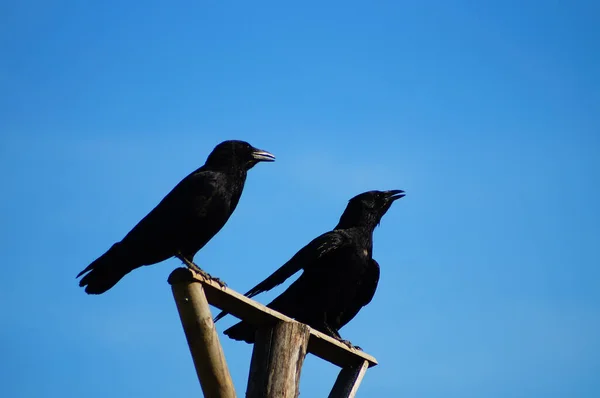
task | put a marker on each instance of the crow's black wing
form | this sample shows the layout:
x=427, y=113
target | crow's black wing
x=364, y=294
x=303, y=259
x=164, y=226
x=307, y=256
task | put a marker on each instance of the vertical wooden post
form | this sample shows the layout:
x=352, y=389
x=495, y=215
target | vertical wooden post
x=348, y=381
x=277, y=360
x=201, y=335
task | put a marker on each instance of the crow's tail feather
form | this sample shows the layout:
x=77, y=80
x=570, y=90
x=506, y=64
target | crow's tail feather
x=241, y=331
x=106, y=271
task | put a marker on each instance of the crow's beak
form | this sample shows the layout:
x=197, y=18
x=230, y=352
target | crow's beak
x=394, y=194
x=262, y=156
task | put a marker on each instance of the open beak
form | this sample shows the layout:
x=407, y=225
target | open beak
x=262, y=156
x=394, y=194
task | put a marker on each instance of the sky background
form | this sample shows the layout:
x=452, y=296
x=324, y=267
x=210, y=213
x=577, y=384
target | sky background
x=486, y=113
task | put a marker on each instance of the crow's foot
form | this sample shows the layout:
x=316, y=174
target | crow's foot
x=219, y=281
x=191, y=265
x=350, y=345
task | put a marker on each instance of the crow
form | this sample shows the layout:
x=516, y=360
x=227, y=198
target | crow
x=184, y=221
x=339, y=274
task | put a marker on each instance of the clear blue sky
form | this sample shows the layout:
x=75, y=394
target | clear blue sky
x=486, y=113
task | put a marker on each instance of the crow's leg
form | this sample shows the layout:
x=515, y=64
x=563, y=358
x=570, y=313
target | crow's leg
x=191, y=265
x=336, y=335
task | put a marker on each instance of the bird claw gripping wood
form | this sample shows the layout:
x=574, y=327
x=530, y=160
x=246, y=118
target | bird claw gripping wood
x=198, y=270
x=219, y=282
x=349, y=345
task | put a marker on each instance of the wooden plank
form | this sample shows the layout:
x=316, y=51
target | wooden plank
x=348, y=381
x=202, y=337
x=242, y=307
x=277, y=360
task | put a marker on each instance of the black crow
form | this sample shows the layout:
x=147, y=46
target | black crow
x=184, y=221
x=340, y=275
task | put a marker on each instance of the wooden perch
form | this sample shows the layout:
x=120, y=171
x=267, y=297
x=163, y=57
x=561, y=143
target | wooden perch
x=348, y=381
x=237, y=304
x=279, y=349
x=277, y=360
x=202, y=339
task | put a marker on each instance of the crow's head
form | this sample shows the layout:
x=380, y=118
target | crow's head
x=237, y=154
x=367, y=208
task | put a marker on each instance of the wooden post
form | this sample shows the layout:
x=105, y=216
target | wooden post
x=201, y=335
x=277, y=360
x=280, y=347
x=348, y=381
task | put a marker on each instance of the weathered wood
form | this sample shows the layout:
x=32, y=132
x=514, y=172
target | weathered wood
x=348, y=381
x=201, y=336
x=277, y=360
x=259, y=315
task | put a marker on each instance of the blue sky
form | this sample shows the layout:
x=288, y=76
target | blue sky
x=485, y=113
